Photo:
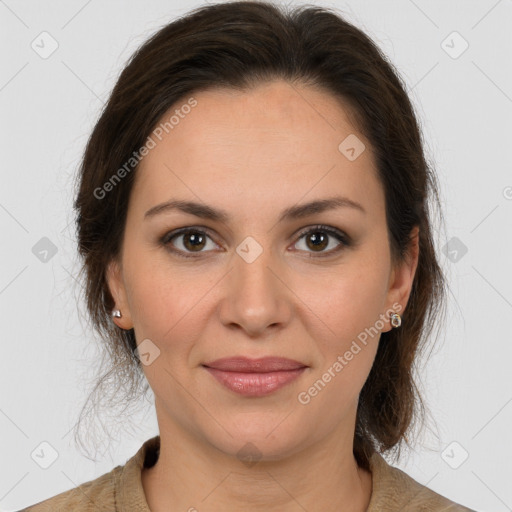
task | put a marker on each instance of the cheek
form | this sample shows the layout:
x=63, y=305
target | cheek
x=163, y=311
x=343, y=324
x=160, y=298
x=346, y=332
x=344, y=303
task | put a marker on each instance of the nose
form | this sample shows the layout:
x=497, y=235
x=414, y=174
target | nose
x=256, y=297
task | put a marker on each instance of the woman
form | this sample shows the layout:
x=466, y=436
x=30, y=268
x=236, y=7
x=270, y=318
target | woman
x=253, y=214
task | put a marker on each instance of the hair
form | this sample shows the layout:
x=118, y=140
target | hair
x=239, y=45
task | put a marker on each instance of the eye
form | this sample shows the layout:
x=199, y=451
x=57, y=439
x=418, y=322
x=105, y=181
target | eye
x=317, y=238
x=193, y=241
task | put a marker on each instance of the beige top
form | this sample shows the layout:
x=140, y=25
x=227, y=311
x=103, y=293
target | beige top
x=121, y=489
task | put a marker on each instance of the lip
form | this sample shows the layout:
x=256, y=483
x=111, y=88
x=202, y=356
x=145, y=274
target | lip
x=260, y=365
x=255, y=377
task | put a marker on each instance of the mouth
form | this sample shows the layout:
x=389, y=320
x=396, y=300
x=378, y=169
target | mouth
x=255, y=377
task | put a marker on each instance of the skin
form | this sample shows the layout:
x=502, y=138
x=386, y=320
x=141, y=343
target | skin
x=254, y=154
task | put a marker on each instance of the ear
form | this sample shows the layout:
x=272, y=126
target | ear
x=401, y=279
x=115, y=282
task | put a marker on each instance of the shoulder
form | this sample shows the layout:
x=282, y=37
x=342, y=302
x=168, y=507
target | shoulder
x=393, y=489
x=95, y=495
x=118, y=489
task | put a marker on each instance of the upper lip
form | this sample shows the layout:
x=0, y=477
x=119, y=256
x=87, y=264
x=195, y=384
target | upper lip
x=248, y=365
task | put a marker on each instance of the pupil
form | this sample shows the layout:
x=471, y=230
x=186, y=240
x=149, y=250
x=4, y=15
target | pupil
x=318, y=241
x=195, y=240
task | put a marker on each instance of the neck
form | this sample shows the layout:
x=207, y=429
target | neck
x=194, y=475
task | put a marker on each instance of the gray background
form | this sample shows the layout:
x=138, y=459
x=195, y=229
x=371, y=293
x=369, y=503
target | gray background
x=48, y=107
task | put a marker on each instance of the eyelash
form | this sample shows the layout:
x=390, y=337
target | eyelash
x=339, y=235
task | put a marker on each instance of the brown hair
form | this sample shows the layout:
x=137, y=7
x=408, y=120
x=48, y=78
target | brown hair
x=239, y=45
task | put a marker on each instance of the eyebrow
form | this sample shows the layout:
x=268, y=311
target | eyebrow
x=293, y=212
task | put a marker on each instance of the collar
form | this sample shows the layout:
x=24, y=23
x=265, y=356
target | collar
x=391, y=487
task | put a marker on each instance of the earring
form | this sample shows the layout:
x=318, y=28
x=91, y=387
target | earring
x=116, y=313
x=396, y=320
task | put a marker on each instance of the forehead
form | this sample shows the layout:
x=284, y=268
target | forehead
x=273, y=141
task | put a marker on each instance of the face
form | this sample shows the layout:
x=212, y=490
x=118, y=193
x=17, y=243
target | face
x=252, y=284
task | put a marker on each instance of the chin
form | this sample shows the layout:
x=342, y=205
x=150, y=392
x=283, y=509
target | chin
x=264, y=440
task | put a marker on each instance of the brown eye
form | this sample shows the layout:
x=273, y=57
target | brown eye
x=187, y=240
x=193, y=241
x=318, y=238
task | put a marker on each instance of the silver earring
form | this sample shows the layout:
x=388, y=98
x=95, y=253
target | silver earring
x=116, y=313
x=396, y=320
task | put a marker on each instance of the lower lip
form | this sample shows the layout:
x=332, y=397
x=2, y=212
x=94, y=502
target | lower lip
x=255, y=384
